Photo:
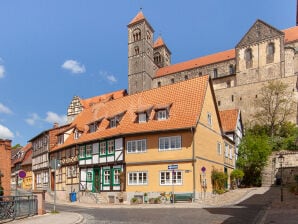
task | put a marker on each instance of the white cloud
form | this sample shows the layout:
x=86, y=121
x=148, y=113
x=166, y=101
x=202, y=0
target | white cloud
x=2, y=71
x=74, y=66
x=5, y=133
x=111, y=78
x=32, y=119
x=55, y=118
x=4, y=109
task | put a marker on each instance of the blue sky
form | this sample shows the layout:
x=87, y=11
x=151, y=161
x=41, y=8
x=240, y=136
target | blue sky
x=53, y=50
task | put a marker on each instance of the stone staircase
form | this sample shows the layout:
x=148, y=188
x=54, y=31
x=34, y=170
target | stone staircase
x=90, y=197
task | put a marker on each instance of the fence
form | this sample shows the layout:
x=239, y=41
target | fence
x=12, y=207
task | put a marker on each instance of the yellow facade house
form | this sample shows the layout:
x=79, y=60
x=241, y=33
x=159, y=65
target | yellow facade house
x=158, y=141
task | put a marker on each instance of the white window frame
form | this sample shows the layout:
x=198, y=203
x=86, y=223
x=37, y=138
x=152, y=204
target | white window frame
x=226, y=150
x=169, y=143
x=219, y=148
x=102, y=148
x=107, y=177
x=137, y=178
x=136, y=146
x=88, y=151
x=142, y=117
x=231, y=152
x=162, y=114
x=113, y=122
x=171, y=177
x=116, y=176
x=93, y=127
x=60, y=139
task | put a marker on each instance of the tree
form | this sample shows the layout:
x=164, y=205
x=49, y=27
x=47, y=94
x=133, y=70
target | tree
x=252, y=157
x=274, y=105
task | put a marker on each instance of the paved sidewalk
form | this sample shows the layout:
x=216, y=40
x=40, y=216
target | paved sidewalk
x=274, y=211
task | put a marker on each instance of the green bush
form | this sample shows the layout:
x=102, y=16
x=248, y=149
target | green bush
x=219, y=180
x=134, y=200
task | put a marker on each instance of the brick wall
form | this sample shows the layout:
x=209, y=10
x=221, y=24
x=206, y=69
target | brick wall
x=5, y=164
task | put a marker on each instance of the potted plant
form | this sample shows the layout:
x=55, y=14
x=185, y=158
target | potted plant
x=146, y=197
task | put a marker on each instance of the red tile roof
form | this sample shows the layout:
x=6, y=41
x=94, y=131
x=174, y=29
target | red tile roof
x=27, y=158
x=291, y=35
x=86, y=103
x=21, y=158
x=229, y=119
x=159, y=42
x=139, y=17
x=186, y=99
x=198, y=62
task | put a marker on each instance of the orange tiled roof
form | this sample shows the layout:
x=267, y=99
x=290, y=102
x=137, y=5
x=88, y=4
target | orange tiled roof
x=86, y=103
x=186, y=99
x=27, y=158
x=291, y=34
x=159, y=42
x=139, y=17
x=197, y=62
x=24, y=150
x=229, y=119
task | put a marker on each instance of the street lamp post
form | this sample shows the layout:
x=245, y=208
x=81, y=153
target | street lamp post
x=281, y=160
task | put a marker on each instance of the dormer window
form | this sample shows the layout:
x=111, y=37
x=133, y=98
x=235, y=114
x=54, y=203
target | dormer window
x=142, y=117
x=115, y=120
x=143, y=113
x=162, y=111
x=60, y=139
x=76, y=134
x=162, y=114
x=93, y=126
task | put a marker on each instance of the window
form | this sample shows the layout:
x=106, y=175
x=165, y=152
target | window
x=209, y=119
x=142, y=117
x=226, y=150
x=169, y=143
x=200, y=73
x=71, y=171
x=157, y=58
x=231, y=69
x=111, y=147
x=116, y=179
x=136, y=35
x=106, y=177
x=88, y=151
x=171, y=177
x=136, y=146
x=89, y=176
x=215, y=73
x=137, y=178
x=218, y=148
x=231, y=152
x=113, y=122
x=93, y=127
x=45, y=177
x=218, y=103
x=172, y=80
x=148, y=35
x=186, y=77
x=59, y=176
x=82, y=152
x=228, y=84
x=102, y=148
x=159, y=84
x=60, y=139
x=76, y=134
x=162, y=114
x=248, y=58
x=270, y=53
x=232, y=98
x=137, y=50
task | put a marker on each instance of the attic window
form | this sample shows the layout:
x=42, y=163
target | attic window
x=162, y=111
x=270, y=53
x=76, y=134
x=231, y=69
x=93, y=126
x=115, y=120
x=143, y=114
x=60, y=139
x=215, y=73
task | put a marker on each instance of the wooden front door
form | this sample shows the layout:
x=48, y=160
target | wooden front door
x=96, y=180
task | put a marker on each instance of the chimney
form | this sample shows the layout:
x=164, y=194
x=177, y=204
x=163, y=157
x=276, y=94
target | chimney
x=56, y=125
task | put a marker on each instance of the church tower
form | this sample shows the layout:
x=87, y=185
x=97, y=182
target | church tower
x=162, y=54
x=140, y=54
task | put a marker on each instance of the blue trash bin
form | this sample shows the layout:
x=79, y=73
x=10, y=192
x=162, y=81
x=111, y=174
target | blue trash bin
x=73, y=196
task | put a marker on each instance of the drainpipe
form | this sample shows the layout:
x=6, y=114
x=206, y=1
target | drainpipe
x=193, y=164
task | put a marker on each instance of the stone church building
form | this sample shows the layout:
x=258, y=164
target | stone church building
x=263, y=54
